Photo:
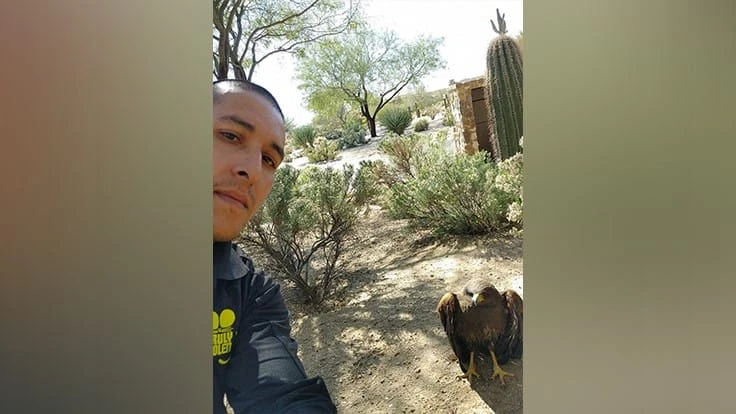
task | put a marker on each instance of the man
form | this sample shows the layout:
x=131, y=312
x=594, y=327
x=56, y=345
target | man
x=255, y=361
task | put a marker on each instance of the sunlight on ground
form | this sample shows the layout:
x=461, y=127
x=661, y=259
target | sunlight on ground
x=446, y=264
x=404, y=316
x=360, y=298
x=391, y=275
x=518, y=285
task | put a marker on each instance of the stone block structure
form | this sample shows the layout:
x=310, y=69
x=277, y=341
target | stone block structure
x=467, y=101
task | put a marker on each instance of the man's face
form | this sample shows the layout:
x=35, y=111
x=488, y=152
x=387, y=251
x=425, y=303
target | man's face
x=248, y=147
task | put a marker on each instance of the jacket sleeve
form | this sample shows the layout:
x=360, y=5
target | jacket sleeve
x=264, y=374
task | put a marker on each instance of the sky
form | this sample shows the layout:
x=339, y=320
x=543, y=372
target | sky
x=464, y=24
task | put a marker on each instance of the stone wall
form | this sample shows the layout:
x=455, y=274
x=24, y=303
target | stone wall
x=461, y=106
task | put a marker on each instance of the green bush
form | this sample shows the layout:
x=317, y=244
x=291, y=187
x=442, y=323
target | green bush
x=322, y=150
x=304, y=223
x=303, y=136
x=509, y=182
x=432, y=110
x=395, y=119
x=333, y=135
x=353, y=134
x=382, y=177
x=421, y=124
x=368, y=182
x=400, y=151
x=450, y=193
x=450, y=198
x=449, y=119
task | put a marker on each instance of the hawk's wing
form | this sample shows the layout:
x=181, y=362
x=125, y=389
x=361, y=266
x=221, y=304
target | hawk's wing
x=450, y=310
x=511, y=344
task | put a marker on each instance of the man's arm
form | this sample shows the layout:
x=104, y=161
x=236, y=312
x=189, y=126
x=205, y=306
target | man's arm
x=264, y=373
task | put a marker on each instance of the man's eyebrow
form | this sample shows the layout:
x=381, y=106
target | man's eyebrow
x=245, y=124
x=278, y=149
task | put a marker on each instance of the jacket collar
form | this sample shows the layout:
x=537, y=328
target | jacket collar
x=228, y=262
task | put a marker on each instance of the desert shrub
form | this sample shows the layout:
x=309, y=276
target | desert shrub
x=353, y=134
x=400, y=152
x=333, y=116
x=368, y=182
x=332, y=135
x=509, y=182
x=395, y=119
x=453, y=193
x=322, y=150
x=304, y=224
x=288, y=152
x=421, y=124
x=451, y=197
x=432, y=110
x=448, y=119
x=289, y=124
x=350, y=134
x=381, y=176
x=303, y=136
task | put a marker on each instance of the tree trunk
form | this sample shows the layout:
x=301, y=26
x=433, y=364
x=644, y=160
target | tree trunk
x=371, y=125
x=239, y=72
x=370, y=120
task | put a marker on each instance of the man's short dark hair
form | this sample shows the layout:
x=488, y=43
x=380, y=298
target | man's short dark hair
x=219, y=87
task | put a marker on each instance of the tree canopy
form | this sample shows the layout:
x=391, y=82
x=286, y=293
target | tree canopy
x=246, y=32
x=367, y=67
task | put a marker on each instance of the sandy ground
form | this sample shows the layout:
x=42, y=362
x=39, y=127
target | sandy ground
x=379, y=344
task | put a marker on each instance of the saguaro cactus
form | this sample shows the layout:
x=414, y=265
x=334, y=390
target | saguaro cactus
x=504, y=92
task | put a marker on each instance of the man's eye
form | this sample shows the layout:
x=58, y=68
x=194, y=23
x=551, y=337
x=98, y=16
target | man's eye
x=269, y=161
x=229, y=136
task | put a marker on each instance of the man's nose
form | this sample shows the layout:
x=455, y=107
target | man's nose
x=248, y=166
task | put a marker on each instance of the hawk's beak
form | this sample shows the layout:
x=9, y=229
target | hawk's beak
x=478, y=298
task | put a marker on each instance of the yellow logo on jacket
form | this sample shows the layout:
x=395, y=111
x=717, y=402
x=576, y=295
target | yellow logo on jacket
x=222, y=334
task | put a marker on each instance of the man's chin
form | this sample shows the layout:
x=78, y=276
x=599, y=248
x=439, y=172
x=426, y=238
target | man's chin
x=228, y=224
x=226, y=234
x=224, y=237
x=219, y=238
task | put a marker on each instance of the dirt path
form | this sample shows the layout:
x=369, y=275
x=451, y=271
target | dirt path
x=381, y=349
x=380, y=346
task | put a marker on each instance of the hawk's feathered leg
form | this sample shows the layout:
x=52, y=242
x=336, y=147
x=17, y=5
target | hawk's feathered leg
x=471, y=369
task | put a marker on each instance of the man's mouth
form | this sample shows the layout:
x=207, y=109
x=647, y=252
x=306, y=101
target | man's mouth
x=231, y=198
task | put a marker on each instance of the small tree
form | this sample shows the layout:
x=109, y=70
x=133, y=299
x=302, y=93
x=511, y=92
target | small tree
x=369, y=68
x=304, y=223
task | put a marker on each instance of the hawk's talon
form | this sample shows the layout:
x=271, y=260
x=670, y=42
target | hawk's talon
x=471, y=370
x=497, y=371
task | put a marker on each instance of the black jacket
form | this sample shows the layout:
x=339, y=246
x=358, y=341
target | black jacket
x=254, y=356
